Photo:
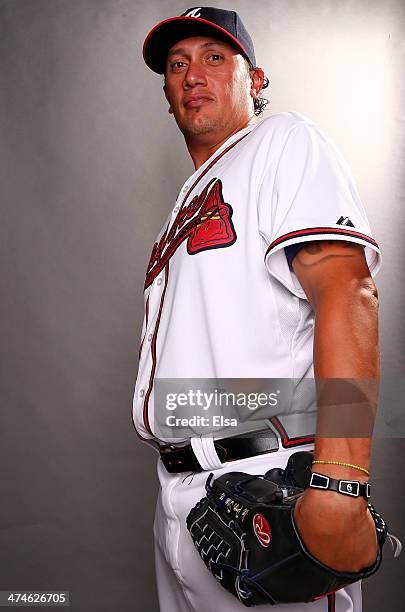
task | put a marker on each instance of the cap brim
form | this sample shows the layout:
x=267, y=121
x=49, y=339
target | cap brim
x=166, y=33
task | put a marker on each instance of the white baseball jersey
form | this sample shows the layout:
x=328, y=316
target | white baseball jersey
x=221, y=300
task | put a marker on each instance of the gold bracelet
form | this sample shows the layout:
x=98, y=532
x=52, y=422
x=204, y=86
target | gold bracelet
x=351, y=465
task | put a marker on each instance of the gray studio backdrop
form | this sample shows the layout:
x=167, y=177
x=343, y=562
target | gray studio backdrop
x=90, y=164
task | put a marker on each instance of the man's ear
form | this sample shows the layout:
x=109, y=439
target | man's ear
x=257, y=81
x=167, y=98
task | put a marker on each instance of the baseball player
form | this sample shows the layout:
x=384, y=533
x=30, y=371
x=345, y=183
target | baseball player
x=263, y=269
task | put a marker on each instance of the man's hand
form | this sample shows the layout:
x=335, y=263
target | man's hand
x=337, y=530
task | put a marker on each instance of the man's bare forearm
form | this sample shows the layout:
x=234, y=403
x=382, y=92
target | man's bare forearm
x=346, y=366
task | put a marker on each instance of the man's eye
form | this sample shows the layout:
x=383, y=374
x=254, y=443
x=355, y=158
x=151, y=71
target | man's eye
x=215, y=56
x=177, y=65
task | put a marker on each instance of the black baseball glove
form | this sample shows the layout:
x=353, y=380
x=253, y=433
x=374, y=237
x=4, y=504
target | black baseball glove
x=245, y=533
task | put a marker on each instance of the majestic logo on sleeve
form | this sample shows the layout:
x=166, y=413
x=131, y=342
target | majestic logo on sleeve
x=344, y=221
x=206, y=223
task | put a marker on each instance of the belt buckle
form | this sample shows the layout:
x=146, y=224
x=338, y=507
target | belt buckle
x=166, y=448
x=174, y=458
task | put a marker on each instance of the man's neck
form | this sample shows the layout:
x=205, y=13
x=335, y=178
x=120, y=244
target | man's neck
x=203, y=146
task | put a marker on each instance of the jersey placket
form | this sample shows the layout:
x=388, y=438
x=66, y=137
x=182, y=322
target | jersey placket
x=160, y=282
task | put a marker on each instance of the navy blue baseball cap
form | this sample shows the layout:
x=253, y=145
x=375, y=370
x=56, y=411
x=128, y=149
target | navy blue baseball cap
x=198, y=21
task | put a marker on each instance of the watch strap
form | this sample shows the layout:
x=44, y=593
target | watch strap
x=353, y=488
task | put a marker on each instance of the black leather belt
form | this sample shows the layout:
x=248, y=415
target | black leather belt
x=182, y=458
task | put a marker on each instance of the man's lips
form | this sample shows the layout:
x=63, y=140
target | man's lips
x=197, y=101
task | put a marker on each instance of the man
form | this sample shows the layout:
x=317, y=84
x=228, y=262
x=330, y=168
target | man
x=263, y=270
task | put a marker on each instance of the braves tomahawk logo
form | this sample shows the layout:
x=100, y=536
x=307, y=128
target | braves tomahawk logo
x=206, y=223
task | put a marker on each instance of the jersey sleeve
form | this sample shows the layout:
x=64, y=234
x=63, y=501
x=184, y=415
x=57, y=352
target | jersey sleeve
x=310, y=194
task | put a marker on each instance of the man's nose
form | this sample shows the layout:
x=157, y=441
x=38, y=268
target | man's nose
x=195, y=75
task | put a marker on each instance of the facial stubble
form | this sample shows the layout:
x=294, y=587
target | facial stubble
x=218, y=124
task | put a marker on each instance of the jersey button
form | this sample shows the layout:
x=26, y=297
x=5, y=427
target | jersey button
x=149, y=337
x=159, y=282
x=141, y=392
x=176, y=210
x=185, y=189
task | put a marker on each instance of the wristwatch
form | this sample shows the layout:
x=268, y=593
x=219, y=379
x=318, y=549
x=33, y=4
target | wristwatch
x=354, y=488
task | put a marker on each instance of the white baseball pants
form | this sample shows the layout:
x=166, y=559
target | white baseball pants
x=184, y=583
